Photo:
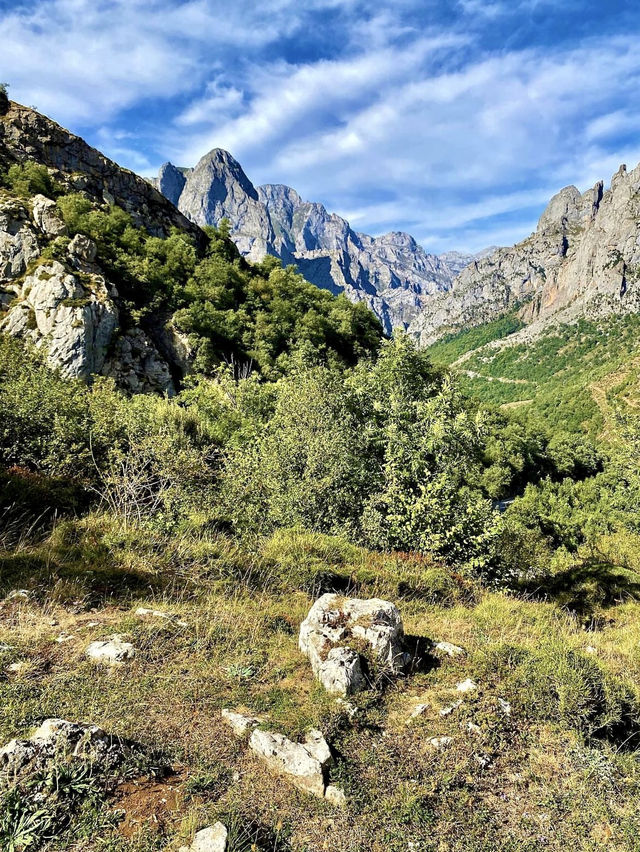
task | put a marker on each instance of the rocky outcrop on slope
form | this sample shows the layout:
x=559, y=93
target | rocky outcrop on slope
x=67, y=306
x=26, y=135
x=392, y=274
x=583, y=260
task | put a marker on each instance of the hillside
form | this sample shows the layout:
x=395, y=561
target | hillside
x=99, y=269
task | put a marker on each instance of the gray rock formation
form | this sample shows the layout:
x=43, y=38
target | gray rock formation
x=392, y=274
x=73, y=319
x=26, y=135
x=583, y=260
x=303, y=763
x=54, y=739
x=334, y=623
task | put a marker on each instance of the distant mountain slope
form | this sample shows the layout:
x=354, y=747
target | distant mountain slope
x=582, y=261
x=392, y=274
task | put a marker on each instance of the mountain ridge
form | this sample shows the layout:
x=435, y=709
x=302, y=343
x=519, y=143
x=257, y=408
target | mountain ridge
x=391, y=273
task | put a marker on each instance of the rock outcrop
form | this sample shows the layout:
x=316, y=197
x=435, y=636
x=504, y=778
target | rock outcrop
x=57, y=738
x=583, y=260
x=335, y=629
x=61, y=300
x=27, y=135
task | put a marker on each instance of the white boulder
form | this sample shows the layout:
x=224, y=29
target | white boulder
x=111, y=652
x=333, y=623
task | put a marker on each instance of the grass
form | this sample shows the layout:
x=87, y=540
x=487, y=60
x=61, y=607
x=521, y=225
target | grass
x=571, y=377
x=559, y=772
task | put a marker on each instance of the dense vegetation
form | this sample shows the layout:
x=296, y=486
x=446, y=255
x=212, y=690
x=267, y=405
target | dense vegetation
x=304, y=453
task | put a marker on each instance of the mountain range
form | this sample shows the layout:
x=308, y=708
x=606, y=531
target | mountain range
x=391, y=273
x=582, y=259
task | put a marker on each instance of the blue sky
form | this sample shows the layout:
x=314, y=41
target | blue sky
x=455, y=121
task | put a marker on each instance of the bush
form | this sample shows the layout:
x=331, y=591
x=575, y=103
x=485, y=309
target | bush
x=28, y=179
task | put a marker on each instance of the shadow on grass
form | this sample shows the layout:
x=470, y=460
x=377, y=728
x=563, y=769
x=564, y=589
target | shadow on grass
x=585, y=588
x=74, y=577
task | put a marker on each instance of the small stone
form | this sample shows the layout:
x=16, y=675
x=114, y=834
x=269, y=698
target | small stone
x=64, y=637
x=349, y=708
x=111, y=652
x=467, y=686
x=418, y=710
x=590, y=650
x=143, y=612
x=449, y=649
x=447, y=711
x=16, y=668
x=211, y=839
x=473, y=728
x=504, y=706
x=440, y=743
x=240, y=724
x=335, y=796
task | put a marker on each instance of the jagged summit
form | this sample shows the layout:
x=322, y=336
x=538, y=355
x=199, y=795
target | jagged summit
x=391, y=273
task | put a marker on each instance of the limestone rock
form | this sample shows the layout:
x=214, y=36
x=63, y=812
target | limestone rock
x=295, y=760
x=18, y=240
x=28, y=135
x=210, y=839
x=467, y=685
x=83, y=248
x=73, y=323
x=449, y=649
x=54, y=739
x=111, y=652
x=47, y=217
x=240, y=724
x=137, y=366
x=333, y=622
x=440, y=743
x=335, y=796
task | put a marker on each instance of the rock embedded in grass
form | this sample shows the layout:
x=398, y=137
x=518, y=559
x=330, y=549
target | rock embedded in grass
x=54, y=739
x=303, y=763
x=240, y=724
x=111, y=651
x=449, y=649
x=210, y=839
x=334, y=623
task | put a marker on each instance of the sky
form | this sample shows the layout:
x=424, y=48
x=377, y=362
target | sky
x=454, y=120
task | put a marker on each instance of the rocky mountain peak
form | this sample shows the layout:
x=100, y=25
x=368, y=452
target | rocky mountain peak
x=171, y=181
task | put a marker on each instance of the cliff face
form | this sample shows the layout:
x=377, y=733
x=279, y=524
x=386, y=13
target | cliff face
x=392, y=274
x=583, y=260
x=67, y=305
